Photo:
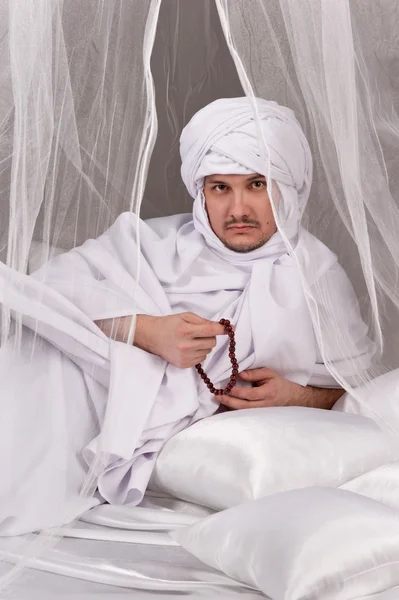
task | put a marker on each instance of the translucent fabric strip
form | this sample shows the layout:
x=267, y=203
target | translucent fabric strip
x=346, y=105
x=78, y=124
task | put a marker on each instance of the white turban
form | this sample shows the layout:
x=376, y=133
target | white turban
x=223, y=138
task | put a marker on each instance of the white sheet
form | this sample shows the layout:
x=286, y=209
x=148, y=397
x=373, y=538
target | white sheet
x=125, y=560
x=139, y=567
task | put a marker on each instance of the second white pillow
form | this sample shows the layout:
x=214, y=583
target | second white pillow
x=308, y=544
x=237, y=456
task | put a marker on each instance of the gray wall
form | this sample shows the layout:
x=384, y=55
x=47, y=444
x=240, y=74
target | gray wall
x=191, y=67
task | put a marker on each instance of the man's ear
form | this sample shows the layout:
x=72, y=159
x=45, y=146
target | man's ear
x=206, y=208
x=204, y=195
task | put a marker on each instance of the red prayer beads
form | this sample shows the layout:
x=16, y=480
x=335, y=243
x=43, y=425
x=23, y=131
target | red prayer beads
x=234, y=364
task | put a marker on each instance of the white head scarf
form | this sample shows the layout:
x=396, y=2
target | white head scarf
x=223, y=138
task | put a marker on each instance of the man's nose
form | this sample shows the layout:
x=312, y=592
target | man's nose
x=239, y=205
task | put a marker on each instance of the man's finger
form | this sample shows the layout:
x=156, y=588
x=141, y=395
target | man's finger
x=200, y=358
x=257, y=374
x=207, y=330
x=203, y=343
x=190, y=317
x=238, y=403
x=200, y=354
x=248, y=394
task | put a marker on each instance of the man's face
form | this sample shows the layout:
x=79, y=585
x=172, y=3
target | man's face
x=239, y=210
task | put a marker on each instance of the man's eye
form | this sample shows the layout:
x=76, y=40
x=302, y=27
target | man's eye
x=220, y=187
x=258, y=184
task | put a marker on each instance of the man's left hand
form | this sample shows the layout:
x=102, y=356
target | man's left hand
x=271, y=389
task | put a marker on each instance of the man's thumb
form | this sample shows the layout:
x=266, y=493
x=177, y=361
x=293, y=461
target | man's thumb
x=257, y=374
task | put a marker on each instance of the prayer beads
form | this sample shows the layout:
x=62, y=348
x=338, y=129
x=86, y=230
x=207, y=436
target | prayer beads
x=234, y=364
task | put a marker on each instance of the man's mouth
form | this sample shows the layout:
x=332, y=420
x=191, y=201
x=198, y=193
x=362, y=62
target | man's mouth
x=241, y=227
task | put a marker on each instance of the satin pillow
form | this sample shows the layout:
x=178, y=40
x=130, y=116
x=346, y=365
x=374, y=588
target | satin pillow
x=378, y=400
x=237, y=456
x=308, y=544
x=380, y=484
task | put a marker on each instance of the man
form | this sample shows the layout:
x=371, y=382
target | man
x=240, y=215
x=104, y=406
x=233, y=213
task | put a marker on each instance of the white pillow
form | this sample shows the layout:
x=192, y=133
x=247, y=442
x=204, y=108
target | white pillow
x=308, y=544
x=242, y=455
x=378, y=400
x=380, y=484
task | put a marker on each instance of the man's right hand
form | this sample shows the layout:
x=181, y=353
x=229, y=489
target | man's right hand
x=183, y=340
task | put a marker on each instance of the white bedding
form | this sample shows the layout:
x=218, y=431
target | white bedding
x=115, y=552
x=131, y=557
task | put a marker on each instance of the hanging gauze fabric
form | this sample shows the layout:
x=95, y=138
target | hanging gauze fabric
x=345, y=104
x=78, y=126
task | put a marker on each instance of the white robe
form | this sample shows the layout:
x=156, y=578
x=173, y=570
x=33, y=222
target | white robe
x=70, y=384
x=72, y=401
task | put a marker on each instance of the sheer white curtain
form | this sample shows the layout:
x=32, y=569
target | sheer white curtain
x=77, y=128
x=76, y=113
x=333, y=65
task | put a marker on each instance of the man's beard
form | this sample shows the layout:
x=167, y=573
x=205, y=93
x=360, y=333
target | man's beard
x=243, y=248
x=249, y=247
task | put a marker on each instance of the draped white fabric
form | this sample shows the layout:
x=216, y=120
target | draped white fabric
x=343, y=95
x=77, y=127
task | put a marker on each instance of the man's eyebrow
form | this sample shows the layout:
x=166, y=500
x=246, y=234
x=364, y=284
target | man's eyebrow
x=210, y=179
x=257, y=176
